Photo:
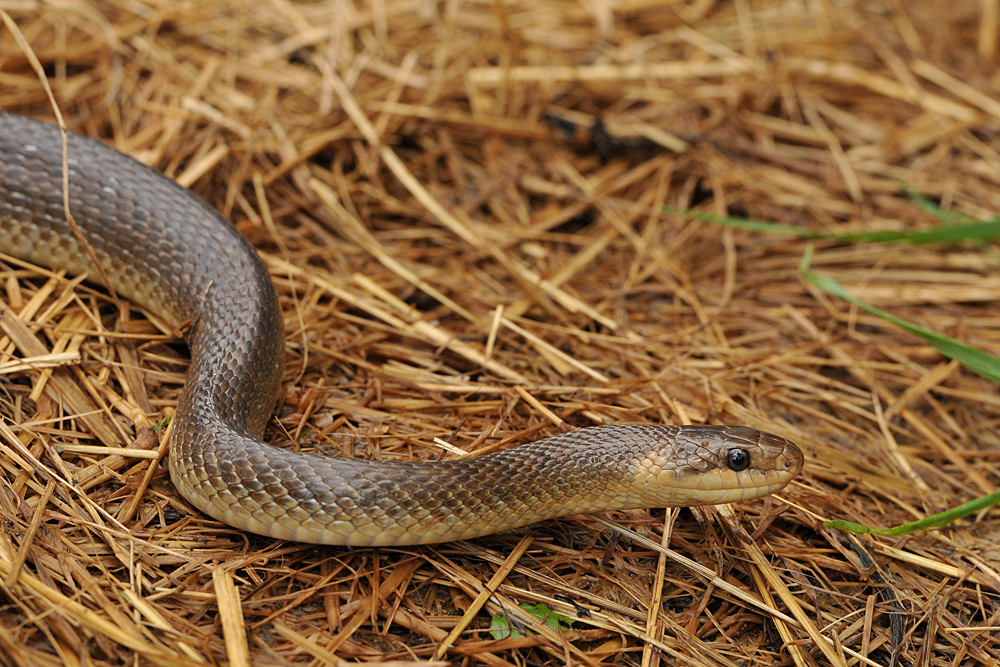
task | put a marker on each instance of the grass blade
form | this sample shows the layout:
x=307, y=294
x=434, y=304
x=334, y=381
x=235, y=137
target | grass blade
x=962, y=231
x=976, y=360
x=933, y=521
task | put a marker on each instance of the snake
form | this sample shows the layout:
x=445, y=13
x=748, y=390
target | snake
x=166, y=250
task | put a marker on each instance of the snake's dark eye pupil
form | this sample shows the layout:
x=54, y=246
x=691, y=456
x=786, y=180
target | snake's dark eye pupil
x=738, y=459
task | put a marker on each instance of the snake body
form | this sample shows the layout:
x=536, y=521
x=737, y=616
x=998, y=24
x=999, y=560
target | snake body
x=165, y=249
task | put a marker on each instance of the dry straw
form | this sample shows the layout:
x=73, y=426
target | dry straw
x=468, y=260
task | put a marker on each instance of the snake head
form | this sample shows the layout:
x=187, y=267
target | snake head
x=708, y=465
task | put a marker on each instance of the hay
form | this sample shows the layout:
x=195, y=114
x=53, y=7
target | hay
x=466, y=262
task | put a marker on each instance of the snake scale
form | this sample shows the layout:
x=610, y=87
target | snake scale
x=165, y=249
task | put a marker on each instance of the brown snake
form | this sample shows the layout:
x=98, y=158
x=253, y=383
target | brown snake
x=165, y=249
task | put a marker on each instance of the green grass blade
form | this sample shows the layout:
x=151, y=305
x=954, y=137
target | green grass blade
x=932, y=209
x=963, y=231
x=976, y=360
x=933, y=521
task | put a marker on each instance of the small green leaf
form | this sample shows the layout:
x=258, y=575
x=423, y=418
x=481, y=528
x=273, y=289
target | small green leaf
x=500, y=628
x=500, y=625
x=553, y=619
x=159, y=426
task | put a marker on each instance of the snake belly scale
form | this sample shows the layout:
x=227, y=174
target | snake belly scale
x=165, y=249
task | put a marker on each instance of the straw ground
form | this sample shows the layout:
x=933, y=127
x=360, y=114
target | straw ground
x=470, y=212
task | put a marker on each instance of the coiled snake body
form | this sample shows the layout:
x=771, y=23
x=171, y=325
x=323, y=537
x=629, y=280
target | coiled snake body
x=165, y=249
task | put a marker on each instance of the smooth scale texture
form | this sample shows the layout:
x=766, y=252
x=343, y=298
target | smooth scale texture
x=165, y=249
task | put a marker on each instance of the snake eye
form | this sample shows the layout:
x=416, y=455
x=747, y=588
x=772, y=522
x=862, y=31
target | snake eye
x=738, y=459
